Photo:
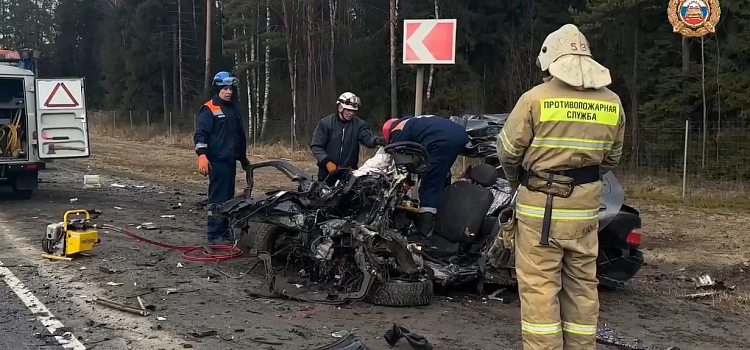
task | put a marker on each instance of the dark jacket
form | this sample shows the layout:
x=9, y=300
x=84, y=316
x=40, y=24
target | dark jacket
x=433, y=132
x=338, y=142
x=220, y=134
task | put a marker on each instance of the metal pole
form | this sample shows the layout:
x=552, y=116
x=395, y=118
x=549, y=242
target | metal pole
x=684, y=159
x=703, y=87
x=419, y=90
x=170, y=123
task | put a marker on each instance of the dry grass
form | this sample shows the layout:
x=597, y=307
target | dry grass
x=665, y=188
x=700, y=193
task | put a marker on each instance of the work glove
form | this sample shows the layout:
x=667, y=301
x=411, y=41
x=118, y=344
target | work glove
x=244, y=162
x=203, y=164
x=380, y=141
x=331, y=167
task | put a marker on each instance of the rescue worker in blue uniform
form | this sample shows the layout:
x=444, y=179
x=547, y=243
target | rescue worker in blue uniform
x=336, y=139
x=220, y=142
x=444, y=141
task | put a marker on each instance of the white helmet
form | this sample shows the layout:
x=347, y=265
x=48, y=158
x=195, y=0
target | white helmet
x=348, y=100
x=567, y=56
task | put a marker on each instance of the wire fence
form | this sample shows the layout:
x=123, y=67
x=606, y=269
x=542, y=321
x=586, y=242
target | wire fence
x=689, y=155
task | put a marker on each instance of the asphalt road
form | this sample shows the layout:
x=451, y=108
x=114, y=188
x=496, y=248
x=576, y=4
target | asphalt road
x=18, y=326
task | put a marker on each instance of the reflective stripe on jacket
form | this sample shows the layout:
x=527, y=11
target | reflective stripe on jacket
x=220, y=133
x=556, y=127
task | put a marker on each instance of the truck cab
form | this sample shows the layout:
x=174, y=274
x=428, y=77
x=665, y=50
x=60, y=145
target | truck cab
x=41, y=120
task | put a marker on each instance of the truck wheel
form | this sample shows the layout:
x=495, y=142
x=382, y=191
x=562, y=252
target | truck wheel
x=23, y=194
x=401, y=293
x=23, y=184
x=19, y=193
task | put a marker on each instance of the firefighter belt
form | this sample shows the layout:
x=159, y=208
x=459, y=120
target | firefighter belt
x=559, y=183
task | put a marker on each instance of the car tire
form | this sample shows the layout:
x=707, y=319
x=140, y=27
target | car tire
x=264, y=240
x=401, y=293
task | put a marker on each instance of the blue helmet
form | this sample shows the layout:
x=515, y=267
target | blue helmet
x=225, y=79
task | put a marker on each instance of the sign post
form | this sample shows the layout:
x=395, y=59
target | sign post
x=696, y=18
x=428, y=41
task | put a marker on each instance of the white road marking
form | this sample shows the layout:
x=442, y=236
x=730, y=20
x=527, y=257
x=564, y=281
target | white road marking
x=39, y=310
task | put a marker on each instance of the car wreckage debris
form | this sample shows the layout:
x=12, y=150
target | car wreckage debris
x=120, y=307
x=709, y=286
x=612, y=337
x=347, y=342
x=392, y=336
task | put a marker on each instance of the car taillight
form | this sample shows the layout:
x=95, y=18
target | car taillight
x=634, y=237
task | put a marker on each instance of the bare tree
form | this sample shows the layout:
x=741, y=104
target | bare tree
x=310, y=9
x=292, y=63
x=179, y=56
x=249, y=53
x=209, y=36
x=332, y=4
x=266, y=63
x=394, y=89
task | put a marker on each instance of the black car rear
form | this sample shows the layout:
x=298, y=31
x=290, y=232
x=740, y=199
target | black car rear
x=619, y=255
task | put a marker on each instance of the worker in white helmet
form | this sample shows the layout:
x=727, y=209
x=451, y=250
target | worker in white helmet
x=336, y=140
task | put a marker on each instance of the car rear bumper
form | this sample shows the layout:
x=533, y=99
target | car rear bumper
x=616, y=270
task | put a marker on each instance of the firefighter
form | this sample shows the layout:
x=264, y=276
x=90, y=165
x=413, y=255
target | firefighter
x=554, y=144
x=444, y=141
x=220, y=142
x=336, y=139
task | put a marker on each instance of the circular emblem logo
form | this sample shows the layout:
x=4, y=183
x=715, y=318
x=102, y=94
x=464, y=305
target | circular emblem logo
x=694, y=12
x=694, y=18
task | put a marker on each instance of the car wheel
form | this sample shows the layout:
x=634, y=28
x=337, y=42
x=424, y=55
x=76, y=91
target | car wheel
x=401, y=293
x=265, y=240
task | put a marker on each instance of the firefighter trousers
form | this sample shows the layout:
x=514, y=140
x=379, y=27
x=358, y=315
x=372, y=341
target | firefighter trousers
x=558, y=289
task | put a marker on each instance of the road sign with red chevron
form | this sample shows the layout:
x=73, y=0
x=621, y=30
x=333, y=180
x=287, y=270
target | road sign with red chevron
x=430, y=41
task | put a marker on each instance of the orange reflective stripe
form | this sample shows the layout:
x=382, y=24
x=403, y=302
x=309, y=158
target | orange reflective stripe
x=400, y=126
x=215, y=110
x=212, y=106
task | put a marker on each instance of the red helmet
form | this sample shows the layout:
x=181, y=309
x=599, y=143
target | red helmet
x=387, y=128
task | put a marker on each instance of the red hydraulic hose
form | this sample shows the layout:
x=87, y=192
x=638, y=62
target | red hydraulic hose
x=233, y=250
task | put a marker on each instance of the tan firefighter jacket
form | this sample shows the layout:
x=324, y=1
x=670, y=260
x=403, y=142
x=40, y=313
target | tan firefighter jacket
x=555, y=127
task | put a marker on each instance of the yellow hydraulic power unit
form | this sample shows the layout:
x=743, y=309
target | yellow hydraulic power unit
x=71, y=236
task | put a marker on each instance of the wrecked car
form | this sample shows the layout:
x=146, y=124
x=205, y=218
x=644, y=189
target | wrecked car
x=336, y=243
x=347, y=241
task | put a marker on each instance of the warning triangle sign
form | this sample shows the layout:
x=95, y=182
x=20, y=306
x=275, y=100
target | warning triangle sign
x=61, y=100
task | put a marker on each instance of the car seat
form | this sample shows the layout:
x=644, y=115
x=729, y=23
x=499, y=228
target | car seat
x=465, y=206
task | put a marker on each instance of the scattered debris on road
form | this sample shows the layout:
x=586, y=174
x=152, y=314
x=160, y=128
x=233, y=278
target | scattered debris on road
x=120, y=307
x=612, y=337
x=147, y=226
x=392, y=336
x=92, y=181
x=709, y=286
x=347, y=342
